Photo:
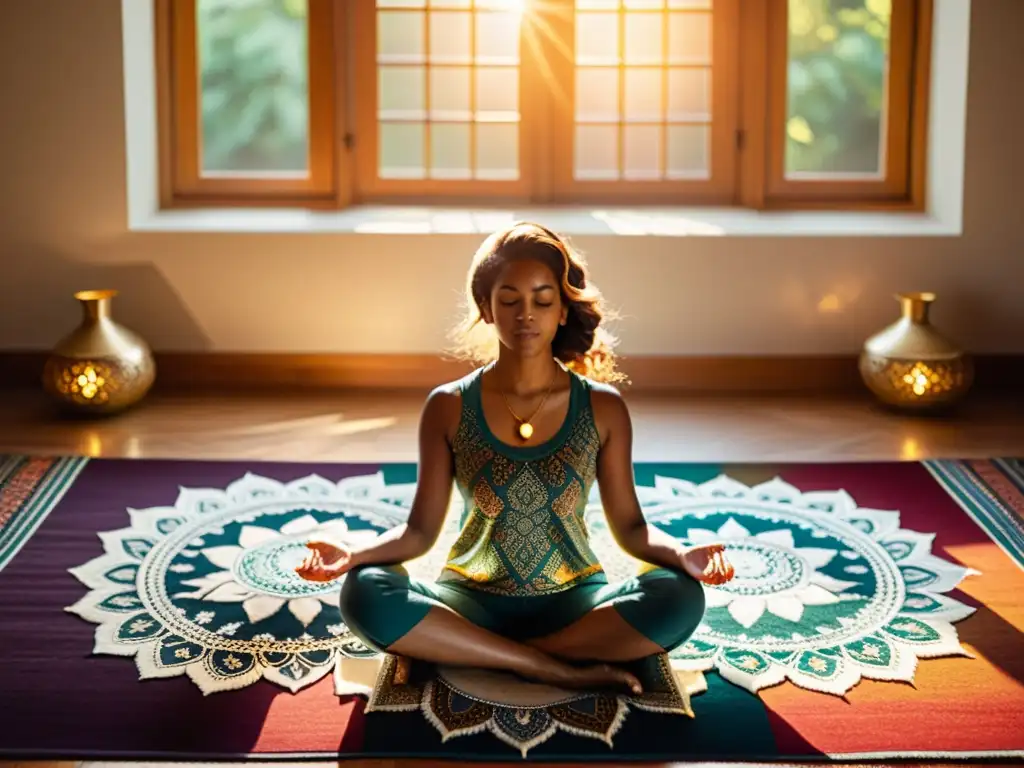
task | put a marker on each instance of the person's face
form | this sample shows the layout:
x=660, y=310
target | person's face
x=526, y=307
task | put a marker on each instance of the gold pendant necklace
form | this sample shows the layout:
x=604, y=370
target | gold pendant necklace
x=525, y=427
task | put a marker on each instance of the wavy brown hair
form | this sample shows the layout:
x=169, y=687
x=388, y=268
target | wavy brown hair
x=582, y=344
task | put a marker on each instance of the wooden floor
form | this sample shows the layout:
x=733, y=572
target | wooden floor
x=359, y=426
x=382, y=427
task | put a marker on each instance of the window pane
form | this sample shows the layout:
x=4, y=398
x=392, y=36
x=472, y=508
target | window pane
x=449, y=37
x=402, y=92
x=449, y=93
x=597, y=94
x=597, y=38
x=689, y=94
x=400, y=36
x=497, y=151
x=497, y=37
x=497, y=93
x=597, y=152
x=689, y=38
x=449, y=150
x=401, y=151
x=643, y=38
x=688, y=147
x=643, y=94
x=254, y=86
x=642, y=150
x=836, y=82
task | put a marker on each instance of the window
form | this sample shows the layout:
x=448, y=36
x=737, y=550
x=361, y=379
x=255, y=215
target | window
x=755, y=103
x=252, y=87
x=845, y=95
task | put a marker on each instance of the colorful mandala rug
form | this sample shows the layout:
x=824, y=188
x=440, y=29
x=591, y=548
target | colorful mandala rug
x=876, y=613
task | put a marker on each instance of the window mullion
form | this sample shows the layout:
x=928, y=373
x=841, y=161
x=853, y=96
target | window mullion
x=754, y=73
x=344, y=107
x=558, y=40
x=364, y=95
x=542, y=95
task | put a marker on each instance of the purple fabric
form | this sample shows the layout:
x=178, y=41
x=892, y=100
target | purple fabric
x=56, y=699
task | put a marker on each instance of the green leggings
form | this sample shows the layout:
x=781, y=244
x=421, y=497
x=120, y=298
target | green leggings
x=380, y=604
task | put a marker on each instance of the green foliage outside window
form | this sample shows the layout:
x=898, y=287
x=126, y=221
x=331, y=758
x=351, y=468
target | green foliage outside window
x=254, y=85
x=837, y=73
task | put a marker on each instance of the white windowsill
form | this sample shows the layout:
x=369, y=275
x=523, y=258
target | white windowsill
x=945, y=174
x=663, y=222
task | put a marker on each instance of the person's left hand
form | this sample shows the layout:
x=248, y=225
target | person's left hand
x=707, y=563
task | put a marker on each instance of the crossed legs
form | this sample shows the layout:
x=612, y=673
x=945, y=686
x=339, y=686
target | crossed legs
x=591, y=623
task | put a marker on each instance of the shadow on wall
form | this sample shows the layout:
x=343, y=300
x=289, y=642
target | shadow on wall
x=37, y=294
x=976, y=316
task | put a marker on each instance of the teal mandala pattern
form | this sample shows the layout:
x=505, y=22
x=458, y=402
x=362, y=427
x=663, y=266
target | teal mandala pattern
x=826, y=593
x=206, y=587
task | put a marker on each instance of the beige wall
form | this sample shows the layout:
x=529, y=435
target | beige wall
x=63, y=214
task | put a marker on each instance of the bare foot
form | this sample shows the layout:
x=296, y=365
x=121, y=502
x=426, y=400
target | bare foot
x=595, y=676
x=445, y=637
x=403, y=668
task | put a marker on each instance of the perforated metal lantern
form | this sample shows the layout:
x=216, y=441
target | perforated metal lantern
x=101, y=367
x=911, y=365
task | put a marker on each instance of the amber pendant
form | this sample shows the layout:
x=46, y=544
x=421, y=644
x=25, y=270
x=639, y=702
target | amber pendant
x=526, y=430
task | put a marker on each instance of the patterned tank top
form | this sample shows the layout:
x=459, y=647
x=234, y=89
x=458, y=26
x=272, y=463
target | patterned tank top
x=523, y=531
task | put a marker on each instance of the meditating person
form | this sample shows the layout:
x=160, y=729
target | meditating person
x=524, y=437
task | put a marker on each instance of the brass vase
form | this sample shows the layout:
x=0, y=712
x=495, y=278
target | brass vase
x=911, y=365
x=101, y=367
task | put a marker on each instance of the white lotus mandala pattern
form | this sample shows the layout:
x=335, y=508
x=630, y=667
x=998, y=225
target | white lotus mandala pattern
x=207, y=587
x=826, y=593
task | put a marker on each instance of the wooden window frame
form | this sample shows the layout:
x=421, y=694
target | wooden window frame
x=763, y=181
x=181, y=134
x=747, y=144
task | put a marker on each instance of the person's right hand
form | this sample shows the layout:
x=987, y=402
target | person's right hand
x=707, y=563
x=326, y=561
